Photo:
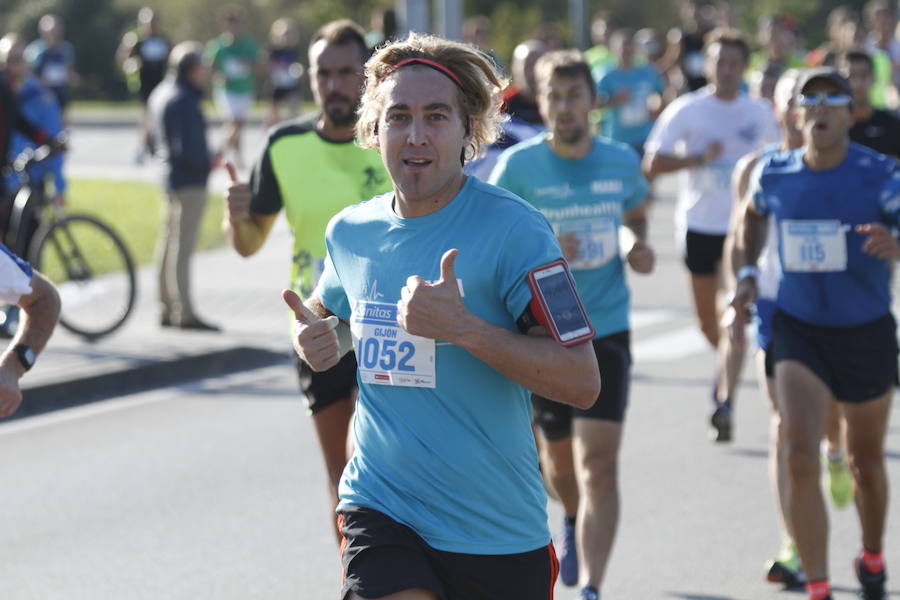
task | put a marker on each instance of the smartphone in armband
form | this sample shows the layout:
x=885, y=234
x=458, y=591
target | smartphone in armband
x=556, y=305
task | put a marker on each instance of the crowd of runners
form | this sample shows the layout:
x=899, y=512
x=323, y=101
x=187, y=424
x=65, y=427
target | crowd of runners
x=459, y=293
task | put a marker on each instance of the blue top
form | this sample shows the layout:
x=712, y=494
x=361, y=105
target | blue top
x=585, y=196
x=51, y=64
x=629, y=122
x=456, y=462
x=827, y=279
x=40, y=108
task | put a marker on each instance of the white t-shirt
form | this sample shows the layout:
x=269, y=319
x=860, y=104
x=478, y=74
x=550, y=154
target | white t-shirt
x=687, y=127
x=15, y=280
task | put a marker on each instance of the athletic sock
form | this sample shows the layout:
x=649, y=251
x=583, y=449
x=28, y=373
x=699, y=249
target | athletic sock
x=819, y=589
x=874, y=561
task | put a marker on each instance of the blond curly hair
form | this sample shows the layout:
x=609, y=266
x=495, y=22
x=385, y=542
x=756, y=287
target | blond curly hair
x=478, y=92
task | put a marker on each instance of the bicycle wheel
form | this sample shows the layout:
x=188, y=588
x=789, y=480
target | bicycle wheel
x=93, y=271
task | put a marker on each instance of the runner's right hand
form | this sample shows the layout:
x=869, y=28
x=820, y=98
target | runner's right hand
x=316, y=342
x=570, y=244
x=740, y=310
x=237, y=196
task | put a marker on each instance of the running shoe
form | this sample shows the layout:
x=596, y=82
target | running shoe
x=589, y=593
x=872, y=583
x=721, y=423
x=568, y=555
x=786, y=569
x=839, y=481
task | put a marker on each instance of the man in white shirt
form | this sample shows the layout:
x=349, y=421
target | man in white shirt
x=701, y=135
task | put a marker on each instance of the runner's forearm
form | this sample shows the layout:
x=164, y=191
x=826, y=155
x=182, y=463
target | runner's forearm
x=565, y=374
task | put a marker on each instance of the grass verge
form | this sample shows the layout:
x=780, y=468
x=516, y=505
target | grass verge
x=134, y=211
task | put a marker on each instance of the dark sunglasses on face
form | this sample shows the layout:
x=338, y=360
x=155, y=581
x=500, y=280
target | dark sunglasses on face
x=831, y=99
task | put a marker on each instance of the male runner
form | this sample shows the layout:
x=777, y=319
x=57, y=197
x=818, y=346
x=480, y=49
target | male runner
x=832, y=332
x=312, y=168
x=701, y=135
x=588, y=188
x=442, y=497
x=873, y=127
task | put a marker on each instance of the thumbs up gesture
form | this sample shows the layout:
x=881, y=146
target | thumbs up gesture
x=316, y=342
x=433, y=310
x=237, y=196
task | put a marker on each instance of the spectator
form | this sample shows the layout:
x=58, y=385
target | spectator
x=53, y=59
x=233, y=56
x=39, y=300
x=179, y=131
x=142, y=55
x=284, y=71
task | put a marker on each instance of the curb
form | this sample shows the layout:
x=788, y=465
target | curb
x=141, y=378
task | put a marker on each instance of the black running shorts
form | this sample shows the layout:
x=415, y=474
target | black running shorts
x=703, y=252
x=324, y=389
x=381, y=556
x=614, y=361
x=857, y=363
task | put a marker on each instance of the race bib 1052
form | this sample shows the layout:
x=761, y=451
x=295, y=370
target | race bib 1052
x=386, y=354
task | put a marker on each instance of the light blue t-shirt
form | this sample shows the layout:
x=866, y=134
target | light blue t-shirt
x=630, y=122
x=827, y=279
x=455, y=462
x=585, y=196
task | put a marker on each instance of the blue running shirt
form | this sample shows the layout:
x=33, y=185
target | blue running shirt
x=827, y=279
x=631, y=121
x=586, y=196
x=443, y=441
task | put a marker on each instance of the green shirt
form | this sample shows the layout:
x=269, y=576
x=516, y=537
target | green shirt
x=313, y=179
x=233, y=61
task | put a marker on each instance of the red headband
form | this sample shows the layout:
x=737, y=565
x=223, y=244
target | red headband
x=428, y=63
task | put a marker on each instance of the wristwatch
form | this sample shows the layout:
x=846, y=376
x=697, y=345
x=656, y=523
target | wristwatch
x=748, y=271
x=26, y=355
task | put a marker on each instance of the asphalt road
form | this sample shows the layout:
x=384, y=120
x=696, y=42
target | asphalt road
x=215, y=489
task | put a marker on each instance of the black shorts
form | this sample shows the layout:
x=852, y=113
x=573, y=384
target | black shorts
x=703, y=252
x=325, y=388
x=381, y=556
x=857, y=363
x=614, y=361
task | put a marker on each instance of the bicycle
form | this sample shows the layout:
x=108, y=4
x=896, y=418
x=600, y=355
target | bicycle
x=83, y=256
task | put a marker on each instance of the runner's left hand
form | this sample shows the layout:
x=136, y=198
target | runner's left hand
x=433, y=310
x=880, y=242
x=641, y=257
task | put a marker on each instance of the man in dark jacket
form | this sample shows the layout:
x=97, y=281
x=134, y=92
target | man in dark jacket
x=179, y=132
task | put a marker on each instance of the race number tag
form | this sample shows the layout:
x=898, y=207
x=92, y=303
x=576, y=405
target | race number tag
x=386, y=354
x=634, y=112
x=599, y=241
x=814, y=246
x=234, y=68
x=715, y=178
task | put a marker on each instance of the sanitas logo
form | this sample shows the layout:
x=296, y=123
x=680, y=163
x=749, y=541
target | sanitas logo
x=379, y=312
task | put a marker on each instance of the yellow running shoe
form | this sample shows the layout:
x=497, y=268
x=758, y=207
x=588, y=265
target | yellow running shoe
x=839, y=481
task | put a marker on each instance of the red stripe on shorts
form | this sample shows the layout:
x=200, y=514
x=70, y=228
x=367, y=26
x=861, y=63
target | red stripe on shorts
x=554, y=567
x=340, y=525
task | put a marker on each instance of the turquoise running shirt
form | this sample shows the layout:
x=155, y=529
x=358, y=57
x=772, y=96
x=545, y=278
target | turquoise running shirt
x=443, y=442
x=585, y=196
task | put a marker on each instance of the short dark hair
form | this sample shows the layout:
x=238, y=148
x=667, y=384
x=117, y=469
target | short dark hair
x=564, y=63
x=340, y=33
x=727, y=36
x=857, y=55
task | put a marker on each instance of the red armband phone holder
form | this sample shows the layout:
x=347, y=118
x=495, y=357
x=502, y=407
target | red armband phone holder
x=556, y=305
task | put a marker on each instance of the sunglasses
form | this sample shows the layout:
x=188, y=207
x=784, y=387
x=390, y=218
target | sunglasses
x=832, y=100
